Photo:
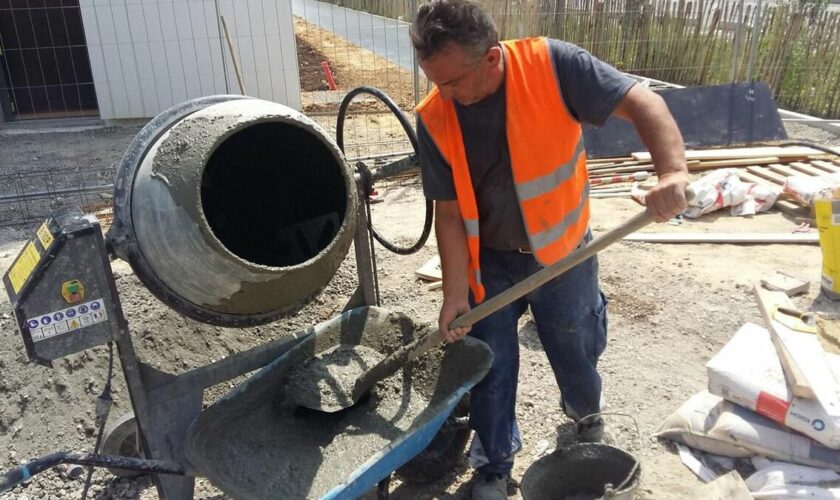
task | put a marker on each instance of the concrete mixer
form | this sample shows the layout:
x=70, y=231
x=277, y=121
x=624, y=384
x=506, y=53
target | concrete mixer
x=236, y=211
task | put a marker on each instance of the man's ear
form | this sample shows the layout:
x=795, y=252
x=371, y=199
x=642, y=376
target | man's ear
x=494, y=55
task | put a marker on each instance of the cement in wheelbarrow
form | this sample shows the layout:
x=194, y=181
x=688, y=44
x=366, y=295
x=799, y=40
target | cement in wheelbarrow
x=254, y=443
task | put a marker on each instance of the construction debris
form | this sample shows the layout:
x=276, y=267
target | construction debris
x=769, y=167
x=430, y=271
x=783, y=282
x=727, y=487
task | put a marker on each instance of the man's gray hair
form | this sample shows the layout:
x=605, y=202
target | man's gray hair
x=463, y=22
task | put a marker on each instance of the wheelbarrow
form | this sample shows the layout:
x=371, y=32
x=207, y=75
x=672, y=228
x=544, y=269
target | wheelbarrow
x=253, y=443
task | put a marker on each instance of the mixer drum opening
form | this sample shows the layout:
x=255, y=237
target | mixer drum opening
x=232, y=210
x=273, y=194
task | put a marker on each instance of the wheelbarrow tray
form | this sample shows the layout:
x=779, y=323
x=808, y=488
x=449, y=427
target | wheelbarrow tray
x=253, y=443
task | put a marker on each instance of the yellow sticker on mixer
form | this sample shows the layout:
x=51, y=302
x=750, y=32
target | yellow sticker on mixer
x=22, y=269
x=45, y=236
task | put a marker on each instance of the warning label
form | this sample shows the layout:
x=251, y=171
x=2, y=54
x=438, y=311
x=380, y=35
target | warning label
x=68, y=320
x=23, y=266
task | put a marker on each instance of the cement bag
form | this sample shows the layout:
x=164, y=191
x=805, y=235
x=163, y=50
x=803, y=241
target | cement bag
x=723, y=188
x=711, y=424
x=781, y=480
x=747, y=371
x=806, y=188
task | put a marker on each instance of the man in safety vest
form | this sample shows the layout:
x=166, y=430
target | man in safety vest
x=502, y=155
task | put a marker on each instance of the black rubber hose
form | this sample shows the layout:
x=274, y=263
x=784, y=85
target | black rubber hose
x=23, y=473
x=412, y=137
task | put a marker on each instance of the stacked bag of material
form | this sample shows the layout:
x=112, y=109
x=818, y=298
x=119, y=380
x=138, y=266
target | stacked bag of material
x=750, y=410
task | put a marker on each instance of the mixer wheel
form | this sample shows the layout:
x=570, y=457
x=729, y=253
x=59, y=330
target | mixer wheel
x=121, y=438
x=444, y=452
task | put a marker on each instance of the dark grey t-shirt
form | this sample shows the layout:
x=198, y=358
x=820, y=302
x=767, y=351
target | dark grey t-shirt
x=591, y=90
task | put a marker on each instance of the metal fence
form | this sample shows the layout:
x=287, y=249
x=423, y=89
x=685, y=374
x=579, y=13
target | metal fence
x=793, y=47
x=28, y=197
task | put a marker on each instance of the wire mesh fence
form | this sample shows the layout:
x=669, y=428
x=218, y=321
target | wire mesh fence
x=793, y=47
x=28, y=197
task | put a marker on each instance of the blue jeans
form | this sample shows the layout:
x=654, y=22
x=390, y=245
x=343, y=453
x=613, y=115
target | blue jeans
x=571, y=320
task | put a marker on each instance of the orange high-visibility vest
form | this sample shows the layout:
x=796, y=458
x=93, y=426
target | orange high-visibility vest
x=546, y=154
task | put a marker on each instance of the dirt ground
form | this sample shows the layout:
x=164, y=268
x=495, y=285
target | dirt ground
x=356, y=66
x=671, y=308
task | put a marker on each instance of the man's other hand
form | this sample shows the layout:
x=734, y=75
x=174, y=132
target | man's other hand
x=667, y=199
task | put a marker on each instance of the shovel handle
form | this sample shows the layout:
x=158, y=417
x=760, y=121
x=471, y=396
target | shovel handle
x=547, y=274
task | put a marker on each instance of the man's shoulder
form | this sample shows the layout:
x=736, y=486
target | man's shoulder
x=564, y=50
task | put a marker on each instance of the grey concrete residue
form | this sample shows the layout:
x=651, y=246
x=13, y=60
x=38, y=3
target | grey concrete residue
x=328, y=377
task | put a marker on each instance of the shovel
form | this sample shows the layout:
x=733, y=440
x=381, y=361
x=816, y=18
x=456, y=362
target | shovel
x=408, y=352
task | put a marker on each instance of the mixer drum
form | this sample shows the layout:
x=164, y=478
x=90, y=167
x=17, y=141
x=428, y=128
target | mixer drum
x=233, y=211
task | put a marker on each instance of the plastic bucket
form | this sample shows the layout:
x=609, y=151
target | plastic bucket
x=583, y=471
x=828, y=224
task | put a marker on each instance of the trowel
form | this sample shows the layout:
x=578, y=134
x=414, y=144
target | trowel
x=403, y=355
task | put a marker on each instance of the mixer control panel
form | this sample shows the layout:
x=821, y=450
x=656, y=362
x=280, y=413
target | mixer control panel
x=62, y=290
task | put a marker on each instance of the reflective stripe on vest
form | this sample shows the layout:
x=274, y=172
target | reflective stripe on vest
x=547, y=155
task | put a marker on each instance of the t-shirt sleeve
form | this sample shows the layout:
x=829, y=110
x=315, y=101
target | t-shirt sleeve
x=591, y=88
x=437, y=174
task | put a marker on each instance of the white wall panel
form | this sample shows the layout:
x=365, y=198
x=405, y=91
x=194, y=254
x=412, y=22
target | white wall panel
x=147, y=55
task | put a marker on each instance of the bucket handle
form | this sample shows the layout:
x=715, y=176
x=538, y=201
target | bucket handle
x=636, y=464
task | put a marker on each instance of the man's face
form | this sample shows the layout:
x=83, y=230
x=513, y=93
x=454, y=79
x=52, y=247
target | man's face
x=460, y=75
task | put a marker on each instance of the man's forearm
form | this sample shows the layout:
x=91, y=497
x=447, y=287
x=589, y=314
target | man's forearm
x=452, y=247
x=657, y=129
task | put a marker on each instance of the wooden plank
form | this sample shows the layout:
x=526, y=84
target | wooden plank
x=767, y=302
x=767, y=174
x=809, y=374
x=736, y=162
x=726, y=154
x=827, y=166
x=742, y=238
x=621, y=170
x=785, y=170
x=807, y=168
x=632, y=169
x=748, y=177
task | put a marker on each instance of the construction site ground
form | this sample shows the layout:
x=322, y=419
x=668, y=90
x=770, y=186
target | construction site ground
x=671, y=307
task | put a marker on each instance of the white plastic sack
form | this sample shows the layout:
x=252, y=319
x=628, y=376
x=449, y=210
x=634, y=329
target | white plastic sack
x=723, y=188
x=709, y=423
x=775, y=475
x=806, y=188
x=795, y=492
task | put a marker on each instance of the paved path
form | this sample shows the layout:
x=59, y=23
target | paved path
x=380, y=35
